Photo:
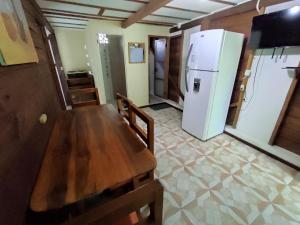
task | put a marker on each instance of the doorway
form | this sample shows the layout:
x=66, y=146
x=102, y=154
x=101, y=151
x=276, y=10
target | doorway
x=158, y=68
x=113, y=67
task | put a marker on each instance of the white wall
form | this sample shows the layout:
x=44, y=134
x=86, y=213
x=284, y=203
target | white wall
x=265, y=95
x=137, y=80
x=266, y=92
x=71, y=48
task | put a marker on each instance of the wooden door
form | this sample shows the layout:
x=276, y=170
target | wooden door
x=175, y=68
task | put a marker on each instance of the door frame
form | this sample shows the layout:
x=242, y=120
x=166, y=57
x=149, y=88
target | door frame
x=166, y=63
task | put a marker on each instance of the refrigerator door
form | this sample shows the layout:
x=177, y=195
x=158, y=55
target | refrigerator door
x=197, y=103
x=206, y=50
x=187, y=69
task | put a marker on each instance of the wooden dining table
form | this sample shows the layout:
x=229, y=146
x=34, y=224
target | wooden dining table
x=91, y=149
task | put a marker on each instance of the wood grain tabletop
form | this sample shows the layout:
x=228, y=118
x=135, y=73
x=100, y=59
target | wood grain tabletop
x=91, y=149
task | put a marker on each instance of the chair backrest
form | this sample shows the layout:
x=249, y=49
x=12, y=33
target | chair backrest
x=123, y=105
x=84, y=97
x=120, y=205
x=148, y=137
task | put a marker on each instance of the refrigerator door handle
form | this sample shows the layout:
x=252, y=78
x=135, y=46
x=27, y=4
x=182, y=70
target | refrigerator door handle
x=187, y=69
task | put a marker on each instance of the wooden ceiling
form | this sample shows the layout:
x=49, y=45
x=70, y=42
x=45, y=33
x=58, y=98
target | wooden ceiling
x=76, y=13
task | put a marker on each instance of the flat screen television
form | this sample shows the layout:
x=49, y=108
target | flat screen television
x=278, y=29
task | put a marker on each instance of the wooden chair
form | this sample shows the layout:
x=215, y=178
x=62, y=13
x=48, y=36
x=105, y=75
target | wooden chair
x=130, y=111
x=123, y=105
x=148, y=137
x=84, y=97
x=112, y=210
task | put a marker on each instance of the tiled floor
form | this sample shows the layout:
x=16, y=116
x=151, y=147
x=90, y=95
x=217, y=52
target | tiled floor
x=155, y=99
x=221, y=181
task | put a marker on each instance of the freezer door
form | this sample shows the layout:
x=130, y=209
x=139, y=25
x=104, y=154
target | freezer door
x=197, y=103
x=206, y=50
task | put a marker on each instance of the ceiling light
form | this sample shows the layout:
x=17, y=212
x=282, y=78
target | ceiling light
x=294, y=10
x=102, y=39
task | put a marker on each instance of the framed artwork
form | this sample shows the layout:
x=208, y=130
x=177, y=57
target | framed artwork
x=16, y=45
x=136, y=52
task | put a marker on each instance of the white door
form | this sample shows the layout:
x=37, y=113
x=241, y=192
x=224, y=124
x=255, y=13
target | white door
x=196, y=103
x=206, y=50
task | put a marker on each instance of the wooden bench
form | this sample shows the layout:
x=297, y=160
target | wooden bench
x=84, y=97
x=81, y=82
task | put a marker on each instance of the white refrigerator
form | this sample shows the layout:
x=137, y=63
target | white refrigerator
x=211, y=68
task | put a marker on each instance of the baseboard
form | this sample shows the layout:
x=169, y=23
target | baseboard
x=145, y=106
x=264, y=151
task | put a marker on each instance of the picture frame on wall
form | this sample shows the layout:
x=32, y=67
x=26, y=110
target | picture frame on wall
x=136, y=52
x=16, y=44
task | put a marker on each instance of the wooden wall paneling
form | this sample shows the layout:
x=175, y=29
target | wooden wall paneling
x=284, y=109
x=239, y=9
x=166, y=68
x=242, y=92
x=176, y=44
x=26, y=91
x=241, y=77
x=240, y=23
x=289, y=128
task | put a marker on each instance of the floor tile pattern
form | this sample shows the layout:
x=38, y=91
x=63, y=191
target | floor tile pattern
x=221, y=181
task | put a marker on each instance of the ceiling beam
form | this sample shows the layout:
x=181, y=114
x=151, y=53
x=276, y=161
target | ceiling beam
x=176, y=8
x=67, y=18
x=223, y=2
x=79, y=24
x=128, y=11
x=186, y=10
x=95, y=17
x=101, y=12
x=156, y=23
x=80, y=28
x=81, y=15
x=70, y=13
x=91, y=6
x=146, y=10
x=171, y=17
x=219, y=1
x=241, y=8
